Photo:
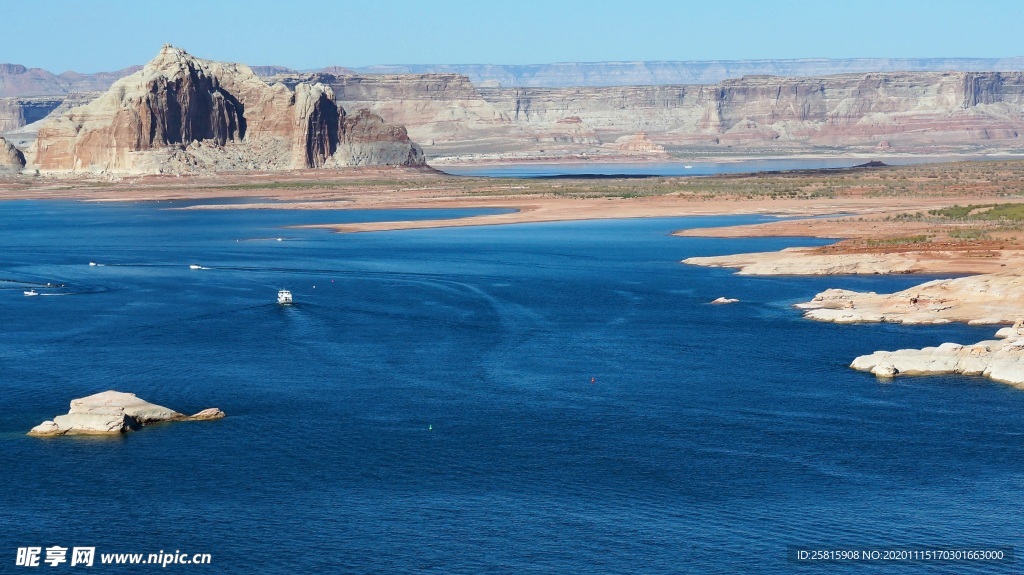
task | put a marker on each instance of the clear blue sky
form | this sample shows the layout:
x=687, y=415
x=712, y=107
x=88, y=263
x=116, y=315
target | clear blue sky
x=98, y=35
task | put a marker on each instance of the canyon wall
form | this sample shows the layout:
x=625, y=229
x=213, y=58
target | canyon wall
x=17, y=80
x=655, y=73
x=455, y=120
x=907, y=111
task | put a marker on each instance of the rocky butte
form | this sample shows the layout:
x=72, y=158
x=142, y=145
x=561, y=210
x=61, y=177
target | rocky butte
x=181, y=114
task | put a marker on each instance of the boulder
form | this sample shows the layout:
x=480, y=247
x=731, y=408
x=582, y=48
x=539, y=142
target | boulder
x=113, y=412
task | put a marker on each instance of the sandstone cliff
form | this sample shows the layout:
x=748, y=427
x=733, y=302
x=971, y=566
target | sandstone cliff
x=452, y=118
x=183, y=114
x=908, y=111
x=655, y=73
x=11, y=159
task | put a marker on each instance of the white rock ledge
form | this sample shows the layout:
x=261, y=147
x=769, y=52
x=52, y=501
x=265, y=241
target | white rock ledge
x=999, y=360
x=113, y=412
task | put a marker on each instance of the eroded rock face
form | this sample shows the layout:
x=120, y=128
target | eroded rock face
x=156, y=120
x=367, y=140
x=113, y=412
x=11, y=158
x=638, y=143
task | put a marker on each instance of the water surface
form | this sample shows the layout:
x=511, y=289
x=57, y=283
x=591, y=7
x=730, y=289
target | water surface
x=677, y=168
x=537, y=398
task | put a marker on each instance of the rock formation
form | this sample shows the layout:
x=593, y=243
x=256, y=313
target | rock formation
x=1001, y=361
x=937, y=111
x=638, y=143
x=17, y=80
x=451, y=116
x=18, y=112
x=11, y=158
x=113, y=412
x=655, y=73
x=366, y=140
x=183, y=114
x=981, y=299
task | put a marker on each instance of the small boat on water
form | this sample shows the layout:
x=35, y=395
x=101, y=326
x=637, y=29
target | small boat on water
x=31, y=292
x=687, y=167
x=284, y=297
x=195, y=267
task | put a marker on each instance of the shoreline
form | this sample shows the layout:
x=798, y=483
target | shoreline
x=853, y=155
x=884, y=220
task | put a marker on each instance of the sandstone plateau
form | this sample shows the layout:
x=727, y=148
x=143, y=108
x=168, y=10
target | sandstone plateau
x=655, y=73
x=181, y=114
x=111, y=413
x=458, y=121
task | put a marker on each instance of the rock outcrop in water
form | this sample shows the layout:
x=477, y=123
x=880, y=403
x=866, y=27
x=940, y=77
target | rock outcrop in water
x=182, y=114
x=111, y=413
x=1000, y=360
x=11, y=158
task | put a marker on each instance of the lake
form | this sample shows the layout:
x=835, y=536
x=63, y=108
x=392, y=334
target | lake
x=536, y=398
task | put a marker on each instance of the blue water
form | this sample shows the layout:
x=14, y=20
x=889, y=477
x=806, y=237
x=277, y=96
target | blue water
x=675, y=168
x=427, y=405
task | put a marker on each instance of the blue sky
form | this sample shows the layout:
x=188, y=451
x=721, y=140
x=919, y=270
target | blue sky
x=96, y=35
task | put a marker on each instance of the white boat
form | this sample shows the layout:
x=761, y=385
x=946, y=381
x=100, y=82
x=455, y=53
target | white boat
x=92, y=264
x=31, y=292
x=284, y=297
x=687, y=167
x=195, y=267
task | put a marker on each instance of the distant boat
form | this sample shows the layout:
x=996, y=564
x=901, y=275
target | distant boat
x=31, y=292
x=92, y=263
x=284, y=297
x=687, y=167
x=195, y=267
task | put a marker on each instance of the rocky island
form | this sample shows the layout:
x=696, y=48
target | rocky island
x=111, y=413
